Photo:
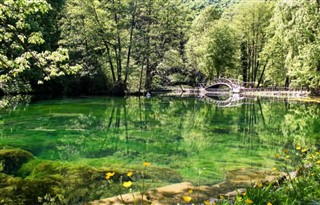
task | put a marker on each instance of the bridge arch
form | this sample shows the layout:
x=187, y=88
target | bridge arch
x=233, y=84
x=218, y=85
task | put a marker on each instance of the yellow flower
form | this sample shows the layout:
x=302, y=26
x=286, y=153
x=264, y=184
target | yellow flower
x=259, y=185
x=277, y=155
x=109, y=175
x=287, y=157
x=248, y=201
x=274, y=169
x=146, y=164
x=221, y=197
x=190, y=191
x=269, y=203
x=298, y=147
x=127, y=184
x=129, y=174
x=304, y=150
x=206, y=202
x=187, y=198
x=318, y=162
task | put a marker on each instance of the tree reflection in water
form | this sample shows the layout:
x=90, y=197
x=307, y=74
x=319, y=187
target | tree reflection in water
x=180, y=133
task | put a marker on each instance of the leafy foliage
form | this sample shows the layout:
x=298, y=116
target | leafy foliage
x=124, y=46
x=21, y=38
x=294, y=26
x=222, y=51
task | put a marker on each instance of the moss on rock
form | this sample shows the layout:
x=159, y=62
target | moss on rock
x=29, y=180
x=13, y=159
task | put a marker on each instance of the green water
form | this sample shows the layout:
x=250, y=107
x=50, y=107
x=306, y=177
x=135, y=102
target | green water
x=184, y=134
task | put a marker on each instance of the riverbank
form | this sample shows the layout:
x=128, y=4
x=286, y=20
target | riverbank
x=235, y=183
x=301, y=186
x=275, y=93
x=298, y=95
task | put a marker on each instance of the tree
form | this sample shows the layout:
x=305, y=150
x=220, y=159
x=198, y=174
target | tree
x=165, y=29
x=251, y=18
x=196, y=46
x=222, y=51
x=126, y=39
x=21, y=55
x=293, y=51
x=173, y=71
x=100, y=36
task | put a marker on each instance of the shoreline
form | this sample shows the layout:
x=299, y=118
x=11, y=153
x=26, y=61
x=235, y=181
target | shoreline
x=234, y=183
x=290, y=95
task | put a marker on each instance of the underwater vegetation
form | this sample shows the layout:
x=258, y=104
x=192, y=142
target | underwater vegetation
x=59, y=151
x=26, y=180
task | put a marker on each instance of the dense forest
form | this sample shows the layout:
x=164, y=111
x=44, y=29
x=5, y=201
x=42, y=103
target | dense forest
x=73, y=47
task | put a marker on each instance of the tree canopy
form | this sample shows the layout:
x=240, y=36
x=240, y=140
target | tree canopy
x=23, y=54
x=119, y=46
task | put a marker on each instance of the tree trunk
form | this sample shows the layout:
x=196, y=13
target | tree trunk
x=148, y=75
x=256, y=70
x=256, y=57
x=287, y=82
x=106, y=45
x=141, y=75
x=244, y=62
x=249, y=64
x=110, y=60
x=261, y=76
x=118, y=46
x=148, y=66
x=252, y=61
x=130, y=42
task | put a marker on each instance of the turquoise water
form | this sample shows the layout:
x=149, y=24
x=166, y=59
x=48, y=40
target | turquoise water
x=185, y=134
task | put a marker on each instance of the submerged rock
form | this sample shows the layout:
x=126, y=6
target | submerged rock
x=13, y=159
x=40, y=182
x=27, y=180
x=249, y=176
x=18, y=191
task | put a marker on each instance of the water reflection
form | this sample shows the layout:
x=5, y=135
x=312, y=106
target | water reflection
x=223, y=100
x=184, y=134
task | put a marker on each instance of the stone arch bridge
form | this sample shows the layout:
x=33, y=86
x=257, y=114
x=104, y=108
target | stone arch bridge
x=215, y=85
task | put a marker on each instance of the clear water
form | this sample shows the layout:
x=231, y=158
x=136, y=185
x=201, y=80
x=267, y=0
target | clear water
x=185, y=134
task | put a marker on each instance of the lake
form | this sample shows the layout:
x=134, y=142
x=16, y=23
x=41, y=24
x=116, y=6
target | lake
x=198, y=139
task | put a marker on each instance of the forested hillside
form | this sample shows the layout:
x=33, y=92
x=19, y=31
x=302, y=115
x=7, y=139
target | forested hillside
x=75, y=47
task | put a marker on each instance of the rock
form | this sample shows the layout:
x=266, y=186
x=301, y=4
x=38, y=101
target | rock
x=13, y=159
x=249, y=176
x=160, y=195
x=233, y=194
